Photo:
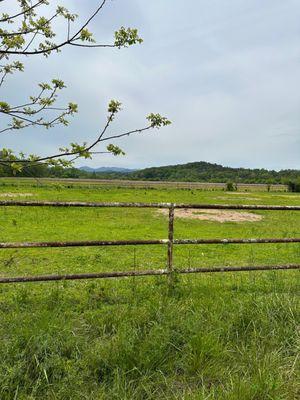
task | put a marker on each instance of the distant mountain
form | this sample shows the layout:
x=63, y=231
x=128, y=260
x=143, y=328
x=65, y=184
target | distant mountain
x=106, y=169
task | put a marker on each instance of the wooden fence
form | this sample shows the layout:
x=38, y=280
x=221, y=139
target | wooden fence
x=169, y=242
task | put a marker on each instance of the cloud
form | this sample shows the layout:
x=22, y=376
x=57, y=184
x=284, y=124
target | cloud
x=227, y=75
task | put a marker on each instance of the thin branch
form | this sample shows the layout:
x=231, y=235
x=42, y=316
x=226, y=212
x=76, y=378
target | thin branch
x=88, y=148
x=3, y=78
x=127, y=133
x=38, y=122
x=10, y=128
x=31, y=41
x=91, y=45
x=89, y=20
x=23, y=12
x=66, y=42
x=29, y=104
x=68, y=33
x=109, y=120
x=24, y=119
x=92, y=152
x=33, y=30
x=37, y=111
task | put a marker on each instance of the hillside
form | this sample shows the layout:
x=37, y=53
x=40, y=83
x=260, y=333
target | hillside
x=191, y=172
x=207, y=172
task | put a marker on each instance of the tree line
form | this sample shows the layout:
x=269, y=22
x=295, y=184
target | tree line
x=191, y=172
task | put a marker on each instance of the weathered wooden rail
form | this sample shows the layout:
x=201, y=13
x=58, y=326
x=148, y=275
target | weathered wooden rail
x=170, y=242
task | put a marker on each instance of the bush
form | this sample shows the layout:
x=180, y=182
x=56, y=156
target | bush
x=293, y=186
x=231, y=187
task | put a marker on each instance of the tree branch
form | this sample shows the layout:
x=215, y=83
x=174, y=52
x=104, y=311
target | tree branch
x=23, y=12
x=68, y=41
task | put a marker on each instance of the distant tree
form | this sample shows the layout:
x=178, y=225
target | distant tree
x=231, y=187
x=28, y=30
x=293, y=186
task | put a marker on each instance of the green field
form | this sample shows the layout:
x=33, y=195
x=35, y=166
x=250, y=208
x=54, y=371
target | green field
x=214, y=336
x=146, y=184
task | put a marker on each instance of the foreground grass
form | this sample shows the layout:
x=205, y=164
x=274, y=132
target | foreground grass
x=224, y=336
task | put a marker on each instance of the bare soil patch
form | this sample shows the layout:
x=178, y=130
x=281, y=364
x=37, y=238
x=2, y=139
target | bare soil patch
x=16, y=194
x=215, y=215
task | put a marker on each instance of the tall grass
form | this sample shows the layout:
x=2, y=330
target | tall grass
x=230, y=336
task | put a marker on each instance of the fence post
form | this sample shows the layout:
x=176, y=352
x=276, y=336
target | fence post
x=171, y=239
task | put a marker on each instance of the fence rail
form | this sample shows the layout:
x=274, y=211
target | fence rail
x=170, y=242
x=8, y=203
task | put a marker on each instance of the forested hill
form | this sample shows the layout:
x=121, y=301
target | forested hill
x=196, y=171
x=206, y=172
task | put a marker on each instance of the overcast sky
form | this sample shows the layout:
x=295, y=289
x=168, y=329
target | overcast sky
x=227, y=73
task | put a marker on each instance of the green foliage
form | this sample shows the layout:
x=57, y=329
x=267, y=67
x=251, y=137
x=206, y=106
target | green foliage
x=114, y=106
x=86, y=35
x=230, y=187
x=5, y=107
x=157, y=121
x=29, y=114
x=115, y=150
x=294, y=186
x=126, y=37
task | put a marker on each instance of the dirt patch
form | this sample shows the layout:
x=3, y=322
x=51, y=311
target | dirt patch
x=214, y=215
x=16, y=195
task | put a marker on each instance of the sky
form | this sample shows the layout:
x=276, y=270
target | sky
x=226, y=73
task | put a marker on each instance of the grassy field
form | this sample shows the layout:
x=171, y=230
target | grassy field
x=215, y=336
x=243, y=187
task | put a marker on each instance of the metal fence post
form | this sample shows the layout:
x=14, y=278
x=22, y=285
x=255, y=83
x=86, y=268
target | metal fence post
x=170, y=239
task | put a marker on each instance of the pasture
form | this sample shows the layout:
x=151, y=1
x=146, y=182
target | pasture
x=225, y=336
x=123, y=183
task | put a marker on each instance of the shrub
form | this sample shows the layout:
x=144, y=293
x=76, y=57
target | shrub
x=293, y=186
x=231, y=187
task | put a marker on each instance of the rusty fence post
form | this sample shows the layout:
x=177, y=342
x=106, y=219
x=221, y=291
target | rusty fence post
x=170, y=240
